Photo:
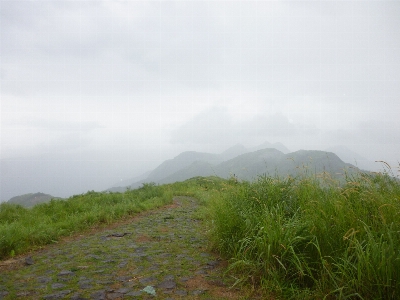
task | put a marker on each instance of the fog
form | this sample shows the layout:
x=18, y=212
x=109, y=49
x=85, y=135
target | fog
x=95, y=92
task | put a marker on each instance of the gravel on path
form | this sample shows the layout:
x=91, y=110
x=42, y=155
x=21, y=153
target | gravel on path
x=161, y=255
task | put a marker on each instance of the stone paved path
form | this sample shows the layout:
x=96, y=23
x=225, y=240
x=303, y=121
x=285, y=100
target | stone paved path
x=161, y=255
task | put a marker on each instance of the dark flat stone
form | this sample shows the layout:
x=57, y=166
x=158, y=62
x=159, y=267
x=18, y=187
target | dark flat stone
x=57, y=285
x=85, y=286
x=167, y=284
x=78, y=297
x=184, y=279
x=43, y=279
x=181, y=292
x=29, y=261
x=119, y=234
x=83, y=278
x=65, y=278
x=114, y=295
x=99, y=295
x=130, y=284
x=21, y=294
x=141, y=249
x=123, y=278
x=65, y=273
x=169, y=277
x=135, y=294
x=147, y=280
x=165, y=255
x=139, y=254
x=109, y=261
x=105, y=282
x=123, y=291
x=59, y=295
x=213, y=263
x=94, y=256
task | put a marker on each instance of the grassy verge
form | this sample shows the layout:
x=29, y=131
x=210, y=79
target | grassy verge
x=308, y=238
x=300, y=238
x=24, y=229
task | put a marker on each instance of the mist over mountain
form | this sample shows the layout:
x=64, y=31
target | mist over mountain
x=279, y=146
x=63, y=175
x=96, y=93
x=245, y=164
x=354, y=158
x=63, y=178
x=234, y=151
x=269, y=162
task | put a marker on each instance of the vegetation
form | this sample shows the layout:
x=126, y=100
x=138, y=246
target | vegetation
x=307, y=238
x=246, y=165
x=303, y=237
x=29, y=200
x=23, y=229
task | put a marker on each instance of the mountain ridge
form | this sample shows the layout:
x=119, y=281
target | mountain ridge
x=240, y=162
x=246, y=166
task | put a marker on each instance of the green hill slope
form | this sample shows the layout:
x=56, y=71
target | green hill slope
x=269, y=161
x=29, y=200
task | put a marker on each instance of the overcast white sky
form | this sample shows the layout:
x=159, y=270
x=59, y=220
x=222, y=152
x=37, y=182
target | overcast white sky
x=128, y=84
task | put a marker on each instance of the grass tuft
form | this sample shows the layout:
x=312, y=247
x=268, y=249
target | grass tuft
x=312, y=236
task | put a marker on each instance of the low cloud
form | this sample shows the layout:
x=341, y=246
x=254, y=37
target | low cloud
x=218, y=127
x=210, y=126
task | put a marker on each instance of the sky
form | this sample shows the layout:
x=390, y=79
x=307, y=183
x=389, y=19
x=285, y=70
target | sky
x=93, y=92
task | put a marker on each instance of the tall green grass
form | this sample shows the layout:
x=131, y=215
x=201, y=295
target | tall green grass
x=308, y=237
x=312, y=238
x=23, y=229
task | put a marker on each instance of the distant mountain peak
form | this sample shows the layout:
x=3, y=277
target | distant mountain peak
x=270, y=159
x=278, y=145
x=234, y=151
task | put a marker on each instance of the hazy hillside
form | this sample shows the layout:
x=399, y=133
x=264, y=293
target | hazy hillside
x=198, y=164
x=354, y=158
x=315, y=162
x=234, y=151
x=180, y=162
x=271, y=162
x=245, y=164
x=195, y=163
x=249, y=165
x=278, y=146
x=197, y=168
x=122, y=185
x=29, y=200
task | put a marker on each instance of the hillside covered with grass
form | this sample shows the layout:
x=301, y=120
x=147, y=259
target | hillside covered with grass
x=31, y=199
x=303, y=237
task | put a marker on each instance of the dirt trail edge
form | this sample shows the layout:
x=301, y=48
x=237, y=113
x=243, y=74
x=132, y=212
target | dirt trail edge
x=161, y=255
